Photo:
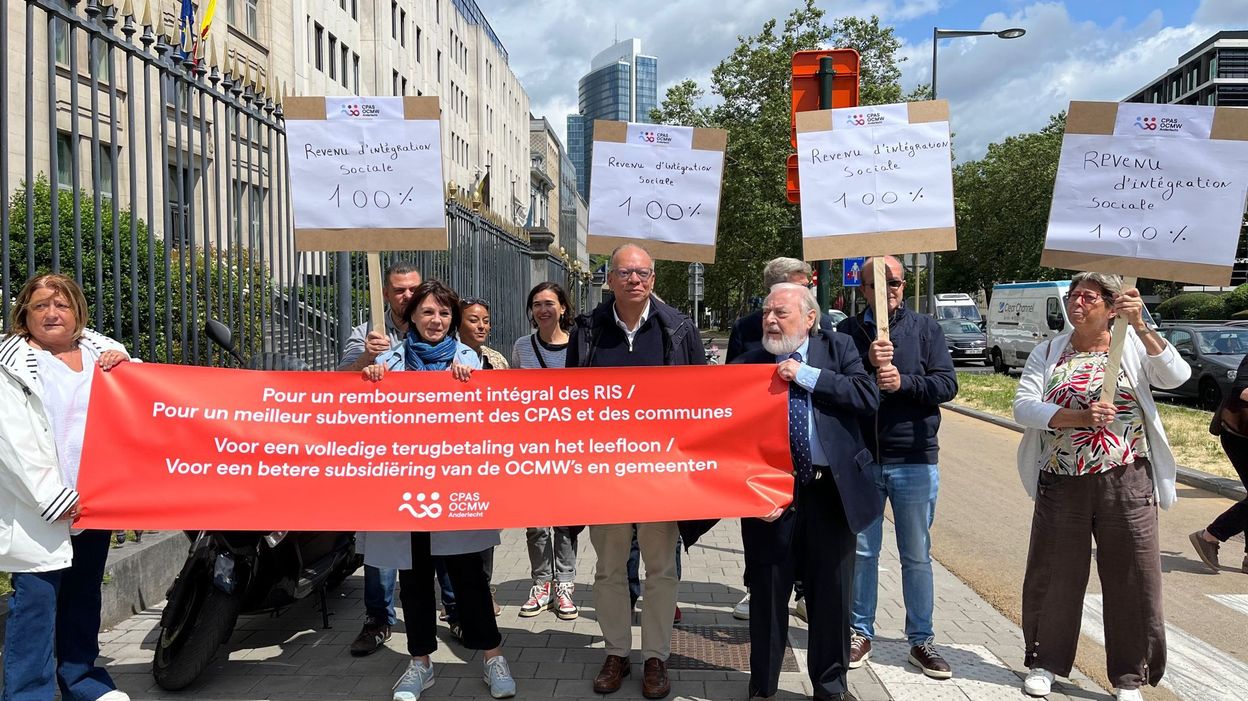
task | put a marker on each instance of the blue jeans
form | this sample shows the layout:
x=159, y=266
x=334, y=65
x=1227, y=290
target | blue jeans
x=911, y=489
x=379, y=593
x=52, y=635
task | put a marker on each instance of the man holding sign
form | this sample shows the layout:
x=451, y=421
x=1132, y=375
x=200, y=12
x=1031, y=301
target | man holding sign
x=915, y=375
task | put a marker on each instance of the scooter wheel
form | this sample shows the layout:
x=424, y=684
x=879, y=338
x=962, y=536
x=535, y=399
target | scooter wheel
x=204, y=621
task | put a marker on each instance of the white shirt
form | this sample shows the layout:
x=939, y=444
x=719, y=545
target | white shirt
x=631, y=334
x=65, y=397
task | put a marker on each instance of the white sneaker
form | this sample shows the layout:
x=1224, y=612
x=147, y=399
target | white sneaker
x=800, y=609
x=742, y=609
x=1129, y=695
x=1039, y=682
x=115, y=695
x=498, y=678
x=416, y=679
x=539, y=600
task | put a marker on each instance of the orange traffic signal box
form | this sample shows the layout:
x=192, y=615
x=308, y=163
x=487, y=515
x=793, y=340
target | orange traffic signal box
x=805, y=81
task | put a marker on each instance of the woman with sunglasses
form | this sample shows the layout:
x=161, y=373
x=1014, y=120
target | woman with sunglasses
x=552, y=551
x=1097, y=471
x=430, y=345
x=474, y=331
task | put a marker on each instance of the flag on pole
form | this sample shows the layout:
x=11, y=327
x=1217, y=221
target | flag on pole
x=209, y=11
x=186, y=31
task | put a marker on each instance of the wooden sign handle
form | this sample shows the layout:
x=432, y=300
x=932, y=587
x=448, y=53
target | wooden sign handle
x=377, y=307
x=880, y=303
x=1110, y=386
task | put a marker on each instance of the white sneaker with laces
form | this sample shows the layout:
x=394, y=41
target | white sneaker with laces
x=1039, y=682
x=742, y=609
x=539, y=600
x=115, y=695
x=416, y=679
x=1129, y=695
x=565, y=608
x=498, y=678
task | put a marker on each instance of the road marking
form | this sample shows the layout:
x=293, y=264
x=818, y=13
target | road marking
x=1237, y=602
x=1195, y=670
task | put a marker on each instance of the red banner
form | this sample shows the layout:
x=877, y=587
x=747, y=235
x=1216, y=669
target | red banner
x=175, y=447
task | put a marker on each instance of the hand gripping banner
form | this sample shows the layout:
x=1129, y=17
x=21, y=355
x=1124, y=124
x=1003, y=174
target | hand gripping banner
x=175, y=447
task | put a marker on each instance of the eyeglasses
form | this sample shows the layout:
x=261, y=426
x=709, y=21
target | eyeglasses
x=892, y=284
x=642, y=274
x=1085, y=297
x=470, y=301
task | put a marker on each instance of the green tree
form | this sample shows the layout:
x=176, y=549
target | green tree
x=1002, y=209
x=135, y=269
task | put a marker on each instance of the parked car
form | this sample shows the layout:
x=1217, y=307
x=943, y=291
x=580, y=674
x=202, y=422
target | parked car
x=837, y=316
x=965, y=340
x=1214, y=351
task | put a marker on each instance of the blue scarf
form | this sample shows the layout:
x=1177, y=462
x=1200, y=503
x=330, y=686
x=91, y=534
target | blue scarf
x=422, y=356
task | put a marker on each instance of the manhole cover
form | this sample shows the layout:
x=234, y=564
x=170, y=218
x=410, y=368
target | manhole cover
x=724, y=648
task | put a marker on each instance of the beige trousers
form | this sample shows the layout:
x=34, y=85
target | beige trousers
x=657, y=542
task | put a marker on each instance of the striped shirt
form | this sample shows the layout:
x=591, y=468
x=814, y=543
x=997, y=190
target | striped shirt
x=523, y=356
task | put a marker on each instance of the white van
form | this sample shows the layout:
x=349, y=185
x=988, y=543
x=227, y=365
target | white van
x=1023, y=315
x=955, y=306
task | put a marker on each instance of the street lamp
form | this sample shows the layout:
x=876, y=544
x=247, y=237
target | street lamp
x=937, y=35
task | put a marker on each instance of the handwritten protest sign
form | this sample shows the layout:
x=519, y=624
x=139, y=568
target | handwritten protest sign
x=1150, y=190
x=658, y=186
x=366, y=173
x=249, y=450
x=876, y=180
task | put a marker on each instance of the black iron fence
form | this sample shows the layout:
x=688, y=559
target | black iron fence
x=161, y=186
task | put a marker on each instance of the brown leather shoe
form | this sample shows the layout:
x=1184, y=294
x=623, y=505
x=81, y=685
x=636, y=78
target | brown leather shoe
x=654, y=682
x=859, y=650
x=926, y=658
x=612, y=674
x=372, y=636
x=1207, y=551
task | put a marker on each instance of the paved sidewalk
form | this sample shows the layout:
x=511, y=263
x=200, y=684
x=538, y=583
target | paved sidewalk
x=291, y=658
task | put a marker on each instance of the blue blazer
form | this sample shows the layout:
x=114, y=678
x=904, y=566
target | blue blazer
x=843, y=393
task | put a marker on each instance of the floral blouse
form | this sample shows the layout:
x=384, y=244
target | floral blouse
x=1075, y=384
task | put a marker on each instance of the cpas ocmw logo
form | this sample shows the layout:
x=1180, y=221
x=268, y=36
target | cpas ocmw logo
x=429, y=506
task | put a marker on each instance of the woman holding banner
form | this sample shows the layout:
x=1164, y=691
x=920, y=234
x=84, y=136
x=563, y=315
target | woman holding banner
x=434, y=317
x=51, y=636
x=552, y=551
x=1097, y=470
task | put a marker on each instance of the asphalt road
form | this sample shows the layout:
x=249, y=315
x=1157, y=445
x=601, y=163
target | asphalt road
x=982, y=531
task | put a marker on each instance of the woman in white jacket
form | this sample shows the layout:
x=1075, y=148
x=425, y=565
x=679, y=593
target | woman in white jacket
x=51, y=636
x=1097, y=471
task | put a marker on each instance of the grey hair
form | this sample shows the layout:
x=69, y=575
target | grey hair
x=779, y=269
x=615, y=251
x=1109, y=285
x=810, y=303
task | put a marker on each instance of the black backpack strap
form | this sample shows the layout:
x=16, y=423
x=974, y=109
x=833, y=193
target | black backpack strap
x=536, y=351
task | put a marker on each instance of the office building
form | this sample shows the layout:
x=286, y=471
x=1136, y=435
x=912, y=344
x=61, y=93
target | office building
x=622, y=85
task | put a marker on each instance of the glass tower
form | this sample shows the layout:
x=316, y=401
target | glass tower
x=622, y=85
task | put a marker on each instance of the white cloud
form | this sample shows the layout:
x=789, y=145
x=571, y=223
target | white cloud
x=997, y=88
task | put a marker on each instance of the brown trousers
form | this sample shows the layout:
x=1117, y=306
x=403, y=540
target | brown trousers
x=1117, y=509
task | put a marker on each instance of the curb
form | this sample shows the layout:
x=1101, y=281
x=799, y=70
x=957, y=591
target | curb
x=136, y=577
x=1222, y=486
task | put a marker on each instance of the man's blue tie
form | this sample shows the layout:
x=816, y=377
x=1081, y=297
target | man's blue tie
x=799, y=428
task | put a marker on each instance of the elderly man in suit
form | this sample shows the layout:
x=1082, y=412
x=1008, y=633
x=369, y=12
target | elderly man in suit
x=833, y=499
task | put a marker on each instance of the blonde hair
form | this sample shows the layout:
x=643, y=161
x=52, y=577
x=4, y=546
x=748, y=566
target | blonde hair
x=62, y=284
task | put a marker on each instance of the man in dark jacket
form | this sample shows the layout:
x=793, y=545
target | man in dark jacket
x=833, y=497
x=915, y=375
x=747, y=332
x=634, y=329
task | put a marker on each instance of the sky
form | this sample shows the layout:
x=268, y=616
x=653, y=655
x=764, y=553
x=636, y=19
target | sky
x=1073, y=49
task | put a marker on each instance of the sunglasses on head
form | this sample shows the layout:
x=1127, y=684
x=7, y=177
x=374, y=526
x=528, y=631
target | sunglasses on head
x=470, y=301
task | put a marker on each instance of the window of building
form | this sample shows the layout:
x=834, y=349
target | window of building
x=394, y=19
x=61, y=30
x=319, y=40
x=418, y=39
x=252, y=21
x=439, y=66
x=101, y=62
x=403, y=85
x=402, y=27
x=64, y=162
x=346, y=54
x=438, y=10
x=333, y=56
x=394, y=83
x=104, y=157
x=355, y=71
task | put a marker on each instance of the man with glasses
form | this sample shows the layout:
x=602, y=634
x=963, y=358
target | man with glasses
x=915, y=374
x=360, y=351
x=634, y=329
